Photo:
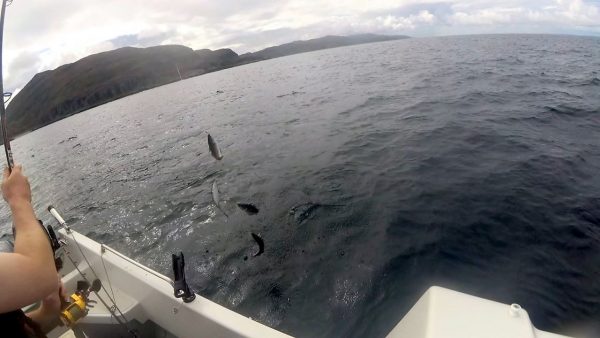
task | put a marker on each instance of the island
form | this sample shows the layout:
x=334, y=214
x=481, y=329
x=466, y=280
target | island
x=100, y=78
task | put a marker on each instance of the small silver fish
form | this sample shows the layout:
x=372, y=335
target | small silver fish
x=260, y=242
x=214, y=148
x=216, y=198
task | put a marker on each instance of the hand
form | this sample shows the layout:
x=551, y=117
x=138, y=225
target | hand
x=47, y=316
x=53, y=302
x=15, y=186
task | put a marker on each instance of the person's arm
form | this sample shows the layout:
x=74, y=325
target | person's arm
x=47, y=315
x=28, y=274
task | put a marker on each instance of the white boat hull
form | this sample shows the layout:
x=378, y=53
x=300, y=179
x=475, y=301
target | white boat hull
x=148, y=305
x=144, y=295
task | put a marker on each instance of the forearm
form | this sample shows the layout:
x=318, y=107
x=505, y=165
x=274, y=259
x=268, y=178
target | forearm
x=32, y=242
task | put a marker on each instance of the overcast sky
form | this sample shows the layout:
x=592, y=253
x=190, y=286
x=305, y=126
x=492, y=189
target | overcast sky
x=43, y=34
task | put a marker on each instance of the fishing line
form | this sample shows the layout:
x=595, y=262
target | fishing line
x=95, y=275
x=102, y=250
x=112, y=308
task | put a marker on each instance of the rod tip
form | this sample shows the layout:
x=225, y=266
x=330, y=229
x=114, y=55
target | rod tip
x=50, y=207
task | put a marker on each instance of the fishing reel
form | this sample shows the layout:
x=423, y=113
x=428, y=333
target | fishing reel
x=80, y=303
x=56, y=245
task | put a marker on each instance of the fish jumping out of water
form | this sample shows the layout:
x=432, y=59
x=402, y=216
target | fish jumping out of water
x=216, y=199
x=260, y=242
x=214, y=148
x=250, y=209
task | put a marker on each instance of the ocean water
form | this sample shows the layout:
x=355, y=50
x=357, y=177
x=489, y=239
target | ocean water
x=382, y=169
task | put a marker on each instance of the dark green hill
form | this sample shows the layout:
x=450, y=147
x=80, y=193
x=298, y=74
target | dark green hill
x=96, y=79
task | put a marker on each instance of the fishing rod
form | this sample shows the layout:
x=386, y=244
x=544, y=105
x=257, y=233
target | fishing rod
x=5, y=138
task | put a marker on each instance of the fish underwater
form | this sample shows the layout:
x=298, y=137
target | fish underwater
x=261, y=244
x=216, y=198
x=250, y=209
x=304, y=211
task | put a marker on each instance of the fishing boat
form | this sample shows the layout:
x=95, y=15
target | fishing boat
x=112, y=295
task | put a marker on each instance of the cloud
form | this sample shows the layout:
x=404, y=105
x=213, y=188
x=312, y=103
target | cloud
x=573, y=13
x=42, y=35
x=23, y=64
x=410, y=22
x=492, y=16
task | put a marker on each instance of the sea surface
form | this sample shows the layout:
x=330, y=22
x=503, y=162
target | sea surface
x=379, y=170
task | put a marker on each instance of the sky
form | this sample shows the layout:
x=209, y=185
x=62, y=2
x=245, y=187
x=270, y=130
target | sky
x=43, y=34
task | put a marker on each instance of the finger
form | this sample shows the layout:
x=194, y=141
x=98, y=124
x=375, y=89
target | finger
x=61, y=289
x=63, y=295
x=15, y=169
x=6, y=173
